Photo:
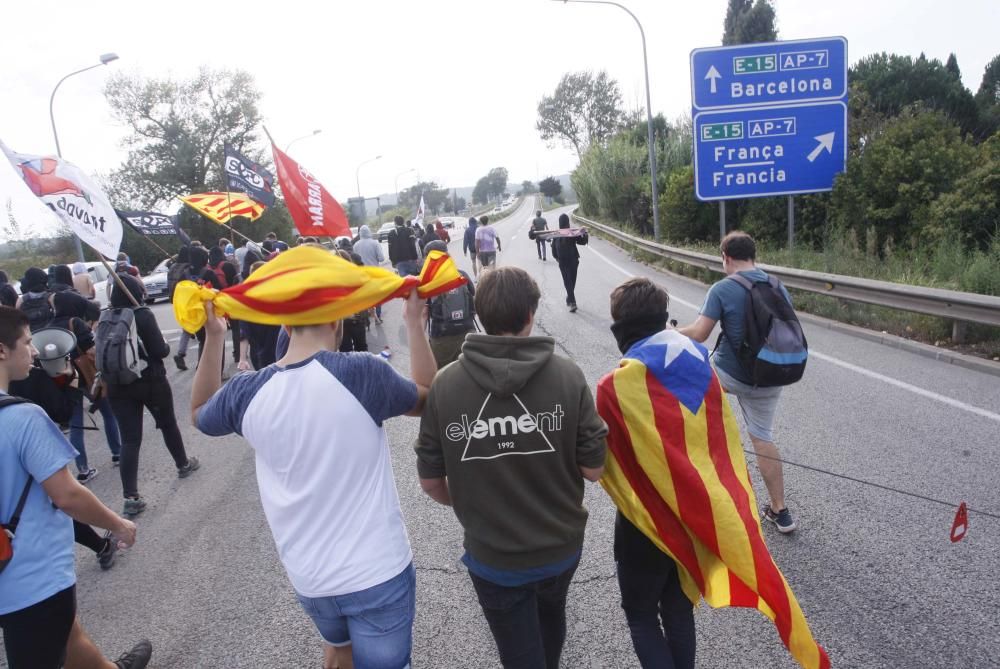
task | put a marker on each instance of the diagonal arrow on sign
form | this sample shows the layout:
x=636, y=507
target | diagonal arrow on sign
x=825, y=143
x=713, y=75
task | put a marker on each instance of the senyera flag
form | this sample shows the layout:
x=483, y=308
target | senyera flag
x=149, y=222
x=221, y=207
x=676, y=470
x=75, y=199
x=246, y=176
x=315, y=212
x=309, y=285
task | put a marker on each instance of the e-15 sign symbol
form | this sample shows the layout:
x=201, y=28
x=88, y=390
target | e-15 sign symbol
x=714, y=132
x=755, y=64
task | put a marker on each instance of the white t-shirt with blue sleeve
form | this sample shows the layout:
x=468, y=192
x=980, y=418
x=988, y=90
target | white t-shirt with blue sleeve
x=323, y=466
x=32, y=445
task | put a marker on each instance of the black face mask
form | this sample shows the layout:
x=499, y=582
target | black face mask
x=630, y=330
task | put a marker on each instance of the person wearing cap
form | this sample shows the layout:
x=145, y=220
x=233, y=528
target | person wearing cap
x=82, y=282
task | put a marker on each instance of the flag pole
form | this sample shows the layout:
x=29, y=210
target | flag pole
x=118, y=281
x=162, y=250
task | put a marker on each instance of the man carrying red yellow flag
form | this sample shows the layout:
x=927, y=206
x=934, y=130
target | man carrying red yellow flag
x=687, y=525
x=308, y=286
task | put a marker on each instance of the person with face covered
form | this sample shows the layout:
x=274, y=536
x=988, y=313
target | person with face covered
x=151, y=391
x=564, y=250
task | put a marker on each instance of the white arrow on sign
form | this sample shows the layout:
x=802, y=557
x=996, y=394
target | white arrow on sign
x=825, y=142
x=713, y=75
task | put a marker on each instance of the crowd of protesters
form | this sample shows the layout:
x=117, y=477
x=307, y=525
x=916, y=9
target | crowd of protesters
x=328, y=493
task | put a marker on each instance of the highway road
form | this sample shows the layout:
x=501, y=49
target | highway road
x=874, y=571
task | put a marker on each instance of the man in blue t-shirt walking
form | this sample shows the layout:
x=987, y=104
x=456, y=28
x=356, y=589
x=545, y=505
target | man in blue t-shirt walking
x=726, y=302
x=40, y=498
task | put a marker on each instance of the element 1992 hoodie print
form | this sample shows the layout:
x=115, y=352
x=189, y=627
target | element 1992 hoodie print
x=510, y=424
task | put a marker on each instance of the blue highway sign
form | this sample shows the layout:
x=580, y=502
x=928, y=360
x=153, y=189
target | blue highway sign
x=748, y=75
x=767, y=151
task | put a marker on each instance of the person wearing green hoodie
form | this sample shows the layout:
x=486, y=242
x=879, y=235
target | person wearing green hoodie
x=510, y=395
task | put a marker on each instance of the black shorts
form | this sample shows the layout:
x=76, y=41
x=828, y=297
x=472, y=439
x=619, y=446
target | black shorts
x=35, y=637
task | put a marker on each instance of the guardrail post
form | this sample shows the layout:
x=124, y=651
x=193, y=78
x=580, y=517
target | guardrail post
x=958, y=331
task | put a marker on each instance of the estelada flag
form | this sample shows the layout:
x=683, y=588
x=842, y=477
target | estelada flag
x=315, y=212
x=221, y=207
x=676, y=470
x=308, y=286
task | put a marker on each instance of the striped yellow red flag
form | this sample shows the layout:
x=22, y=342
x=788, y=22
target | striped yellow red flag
x=676, y=470
x=221, y=207
x=308, y=286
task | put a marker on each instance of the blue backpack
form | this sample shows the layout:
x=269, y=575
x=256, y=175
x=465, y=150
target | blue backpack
x=774, y=349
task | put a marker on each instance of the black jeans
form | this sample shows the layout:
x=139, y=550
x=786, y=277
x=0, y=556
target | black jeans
x=127, y=403
x=540, y=245
x=35, y=637
x=568, y=271
x=355, y=337
x=528, y=621
x=648, y=598
x=85, y=535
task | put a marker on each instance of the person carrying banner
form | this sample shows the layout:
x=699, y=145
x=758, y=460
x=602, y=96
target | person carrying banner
x=150, y=391
x=523, y=517
x=565, y=252
x=687, y=522
x=39, y=498
x=726, y=302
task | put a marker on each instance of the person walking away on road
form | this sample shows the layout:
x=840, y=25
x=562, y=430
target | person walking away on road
x=355, y=330
x=34, y=300
x=39, y=498
x=180, y=270
x=651, y=593
x=151, y=391
x=257, y=340
x=450, y=316
x=228, y=275
x=82, y=282
x=442, y=233
x=507, y=438
x=322, y=445
x=565, y=252
x=202, y=274
x=430, y=235
x=726, y=302
x=371, y=254
x=469, y=243
x=403, y=249
x=538, y=224
x=487, y=243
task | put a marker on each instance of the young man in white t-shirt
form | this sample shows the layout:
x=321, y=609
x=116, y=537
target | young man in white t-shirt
x=315, y=421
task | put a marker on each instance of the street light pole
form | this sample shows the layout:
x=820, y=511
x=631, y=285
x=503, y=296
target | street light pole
x=649, y=109
x=105, y=58
x=314, y=132
x=357, y=172
x=396, y=181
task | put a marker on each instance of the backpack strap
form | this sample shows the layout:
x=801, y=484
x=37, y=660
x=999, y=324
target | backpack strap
x=11, y=526
x=742, y=280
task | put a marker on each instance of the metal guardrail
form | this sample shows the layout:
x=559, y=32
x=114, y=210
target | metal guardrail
x=958, y=306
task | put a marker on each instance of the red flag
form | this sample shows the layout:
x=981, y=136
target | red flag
x=315, y=212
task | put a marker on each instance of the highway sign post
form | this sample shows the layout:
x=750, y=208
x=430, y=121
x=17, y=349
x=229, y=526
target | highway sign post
x=769, y=119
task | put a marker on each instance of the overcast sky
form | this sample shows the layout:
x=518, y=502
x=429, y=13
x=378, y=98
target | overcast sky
x=449, y=87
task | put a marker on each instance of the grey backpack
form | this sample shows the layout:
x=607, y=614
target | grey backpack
x=117, y=347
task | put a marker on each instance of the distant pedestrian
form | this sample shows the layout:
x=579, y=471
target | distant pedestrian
x=487, y=243
x=430, y=235
x=442, y=233
x=8, y=294
x=82, y=282
x=565, y=252
x=150, y=391
x=403, y=253
x=469, y=243
x=257, y=341
x=371, y=254
x=537, y=225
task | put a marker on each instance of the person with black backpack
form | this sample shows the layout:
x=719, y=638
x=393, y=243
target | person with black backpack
x=130, y=353
x=761, y=349
x=450, y=316
x=34, y=301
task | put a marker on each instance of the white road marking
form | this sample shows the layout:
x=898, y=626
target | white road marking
x=929, y=394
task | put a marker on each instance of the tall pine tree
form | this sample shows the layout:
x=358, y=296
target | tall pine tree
x=749, y=21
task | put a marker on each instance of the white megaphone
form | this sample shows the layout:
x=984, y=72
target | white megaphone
x=54, y=346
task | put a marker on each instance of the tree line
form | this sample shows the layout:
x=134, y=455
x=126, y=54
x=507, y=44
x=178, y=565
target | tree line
x=923, y=164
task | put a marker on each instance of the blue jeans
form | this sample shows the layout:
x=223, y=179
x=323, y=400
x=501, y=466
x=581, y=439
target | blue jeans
x=408, y=268
x=377, y=621
x=528, y=621
x=649, y=599
x=110, y=431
